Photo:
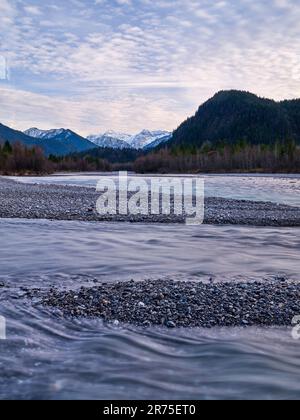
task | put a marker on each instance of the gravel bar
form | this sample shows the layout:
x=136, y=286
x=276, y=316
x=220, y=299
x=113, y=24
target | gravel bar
x=180, y=304
x=55, y=202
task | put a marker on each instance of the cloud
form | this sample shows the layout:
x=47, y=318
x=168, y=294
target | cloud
x=141, y=63
x=33, y=10
x=4, y=69
x=123, y=2
x=86, y=115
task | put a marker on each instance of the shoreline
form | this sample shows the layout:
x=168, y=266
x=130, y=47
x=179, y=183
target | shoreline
x=67, y=203
x=174, y=304
x=167, y=303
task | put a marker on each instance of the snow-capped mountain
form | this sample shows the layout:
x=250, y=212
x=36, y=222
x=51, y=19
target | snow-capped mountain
x=34, y=132
x=60, y=141
x=14, y=136
x=118, y=135
x=48, y=134
x=144, y=140
x=112, y=140
x=146, y=137
x=158, y=141
x=64, y=141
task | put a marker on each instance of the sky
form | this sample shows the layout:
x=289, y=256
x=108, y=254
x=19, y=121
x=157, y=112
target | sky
x=126, y=65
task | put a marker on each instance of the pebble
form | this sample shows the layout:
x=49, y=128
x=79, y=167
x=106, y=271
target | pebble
x=171, y=324
x=58, y=202
x=185, y=304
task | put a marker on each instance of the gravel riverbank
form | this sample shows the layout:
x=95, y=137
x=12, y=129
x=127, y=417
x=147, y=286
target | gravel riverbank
x=180, y=304
x=164, y=302
x=32, y=201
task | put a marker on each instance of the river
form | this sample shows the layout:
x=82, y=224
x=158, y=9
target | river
x=47, y=357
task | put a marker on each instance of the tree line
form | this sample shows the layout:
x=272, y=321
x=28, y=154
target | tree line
x=18, y=159
x=240, y=157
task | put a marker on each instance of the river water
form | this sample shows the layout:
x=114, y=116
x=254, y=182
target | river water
x=46, y=357
x=283, y=189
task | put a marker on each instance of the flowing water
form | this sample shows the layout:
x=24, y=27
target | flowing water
x=46, y=357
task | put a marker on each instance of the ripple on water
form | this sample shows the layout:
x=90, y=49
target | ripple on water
x=51, y=358
x=47, y=357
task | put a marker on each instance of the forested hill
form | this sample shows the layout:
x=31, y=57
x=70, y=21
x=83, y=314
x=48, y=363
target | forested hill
x=232, y=116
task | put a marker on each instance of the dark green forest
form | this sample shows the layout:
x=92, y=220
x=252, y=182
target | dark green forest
x=223, y=158
x=113, y=156
x=231, y=116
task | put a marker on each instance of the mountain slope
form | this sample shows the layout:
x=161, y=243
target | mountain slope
x=112, y=140
x=146, y=137
x=60, y=142
x=39, y=134
x=293, y=109
x=14, y=136
x=158, y=142
x=235, y=115
x=142, y=140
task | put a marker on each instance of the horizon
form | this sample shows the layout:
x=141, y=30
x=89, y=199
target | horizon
x=127, y=65
x=95, y=134
x=144, y=129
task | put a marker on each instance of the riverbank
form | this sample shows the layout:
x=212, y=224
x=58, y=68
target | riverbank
x=179, y=304
x=56, y=202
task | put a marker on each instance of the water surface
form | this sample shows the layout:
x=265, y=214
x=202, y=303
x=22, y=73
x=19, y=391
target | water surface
x=46, y=357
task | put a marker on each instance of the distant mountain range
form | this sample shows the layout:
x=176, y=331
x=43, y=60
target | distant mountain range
x=62, y=142
x=111, y=139
x=57, y=142
x=144, y=139
x=233, y=115
x=229, y=116
x=13, y=136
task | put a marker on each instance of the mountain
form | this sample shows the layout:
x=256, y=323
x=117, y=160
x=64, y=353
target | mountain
x=146, y=137
x=233, y=115
x=111, y=139
x=60, y=142
x=40, y=134
x=14, y=136
x=158, y=142
x=48, y=134
x=144, y=140
x=120, y=156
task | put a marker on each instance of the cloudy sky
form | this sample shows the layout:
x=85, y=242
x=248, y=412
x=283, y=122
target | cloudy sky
x=94, y=65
